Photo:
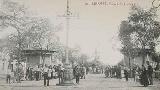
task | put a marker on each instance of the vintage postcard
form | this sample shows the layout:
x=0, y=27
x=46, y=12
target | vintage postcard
x=79, y=45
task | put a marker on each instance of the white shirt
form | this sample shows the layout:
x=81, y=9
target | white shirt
x=49, y=72
x=9, y=71
x=45, y=69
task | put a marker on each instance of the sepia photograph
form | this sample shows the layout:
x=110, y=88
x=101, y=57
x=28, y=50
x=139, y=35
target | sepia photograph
x=79, y=44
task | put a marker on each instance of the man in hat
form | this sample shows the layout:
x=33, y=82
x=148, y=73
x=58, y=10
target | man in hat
x=126, y=73
x=60, y=73
x=77, y=74
x=45, y=75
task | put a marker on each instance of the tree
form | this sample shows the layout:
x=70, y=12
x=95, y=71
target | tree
x=13, y=15
x=32, y=32
x=141, y=30
x=124, y=35
x=144, y=29
x=128, y=47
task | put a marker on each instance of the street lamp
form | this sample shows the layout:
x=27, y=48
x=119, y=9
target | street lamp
x=68, y=71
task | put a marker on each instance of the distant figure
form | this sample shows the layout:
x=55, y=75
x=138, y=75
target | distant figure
x=119, y=72
x=27, y=73
x=134, y=73
x=77, y=74
x=156, y=69
x=113, y=72
x=143, y=77
x=30, y=76
x=8, y=75
x=102, y=70
x=18, y=72
x=137, y=74
x=60, y=73
x=83, y=72
x=126, y=74
x=106, y=72
x=41, y=72
x=87, y=70
x=45, y=75
x=149, y=73
x=37, y=73
x=54, y=72
x=49, y=75
x=74, y=71
x=14, y=75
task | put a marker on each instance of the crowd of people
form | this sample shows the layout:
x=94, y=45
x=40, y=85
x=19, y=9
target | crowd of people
x=31, y=73
x=113, y=72
x=97, y=70
x=43, y=72
x=79, y=72
x=37, y=72
x=146, y=75
x=143, y=74
x=139, y=74
x=14, y=74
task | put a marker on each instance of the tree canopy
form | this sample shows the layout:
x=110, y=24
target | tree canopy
x=139, y=32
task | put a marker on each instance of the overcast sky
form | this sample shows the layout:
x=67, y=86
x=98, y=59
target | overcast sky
x=95, y=28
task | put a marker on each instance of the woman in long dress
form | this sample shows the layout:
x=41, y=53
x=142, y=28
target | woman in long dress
x=144, y=79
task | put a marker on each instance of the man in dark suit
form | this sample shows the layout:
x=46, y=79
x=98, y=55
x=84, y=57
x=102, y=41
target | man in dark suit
x=126, y=74
x=150, y=72
x=77, y=74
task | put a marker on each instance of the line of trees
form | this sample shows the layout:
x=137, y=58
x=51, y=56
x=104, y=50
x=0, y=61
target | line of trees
x=32, y=33
x=139, y=32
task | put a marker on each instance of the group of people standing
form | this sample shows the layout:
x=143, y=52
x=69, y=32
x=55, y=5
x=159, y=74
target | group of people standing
x=14, y=74
x=37, y=72
x=142, y=75
x=146, y=75
x=79, y=72
x=113, y=72
x=45, y=73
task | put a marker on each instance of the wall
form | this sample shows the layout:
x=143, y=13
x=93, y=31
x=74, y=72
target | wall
x=33, y=60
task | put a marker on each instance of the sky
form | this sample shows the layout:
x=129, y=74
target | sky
x=92, y=27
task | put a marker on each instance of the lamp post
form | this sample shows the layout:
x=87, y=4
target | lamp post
x=67, y=31
x=68, y=71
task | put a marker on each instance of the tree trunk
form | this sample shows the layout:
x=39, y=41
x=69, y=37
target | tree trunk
x=130, y=67
x=157, y=65
x=143, y=54
x=143, y=59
